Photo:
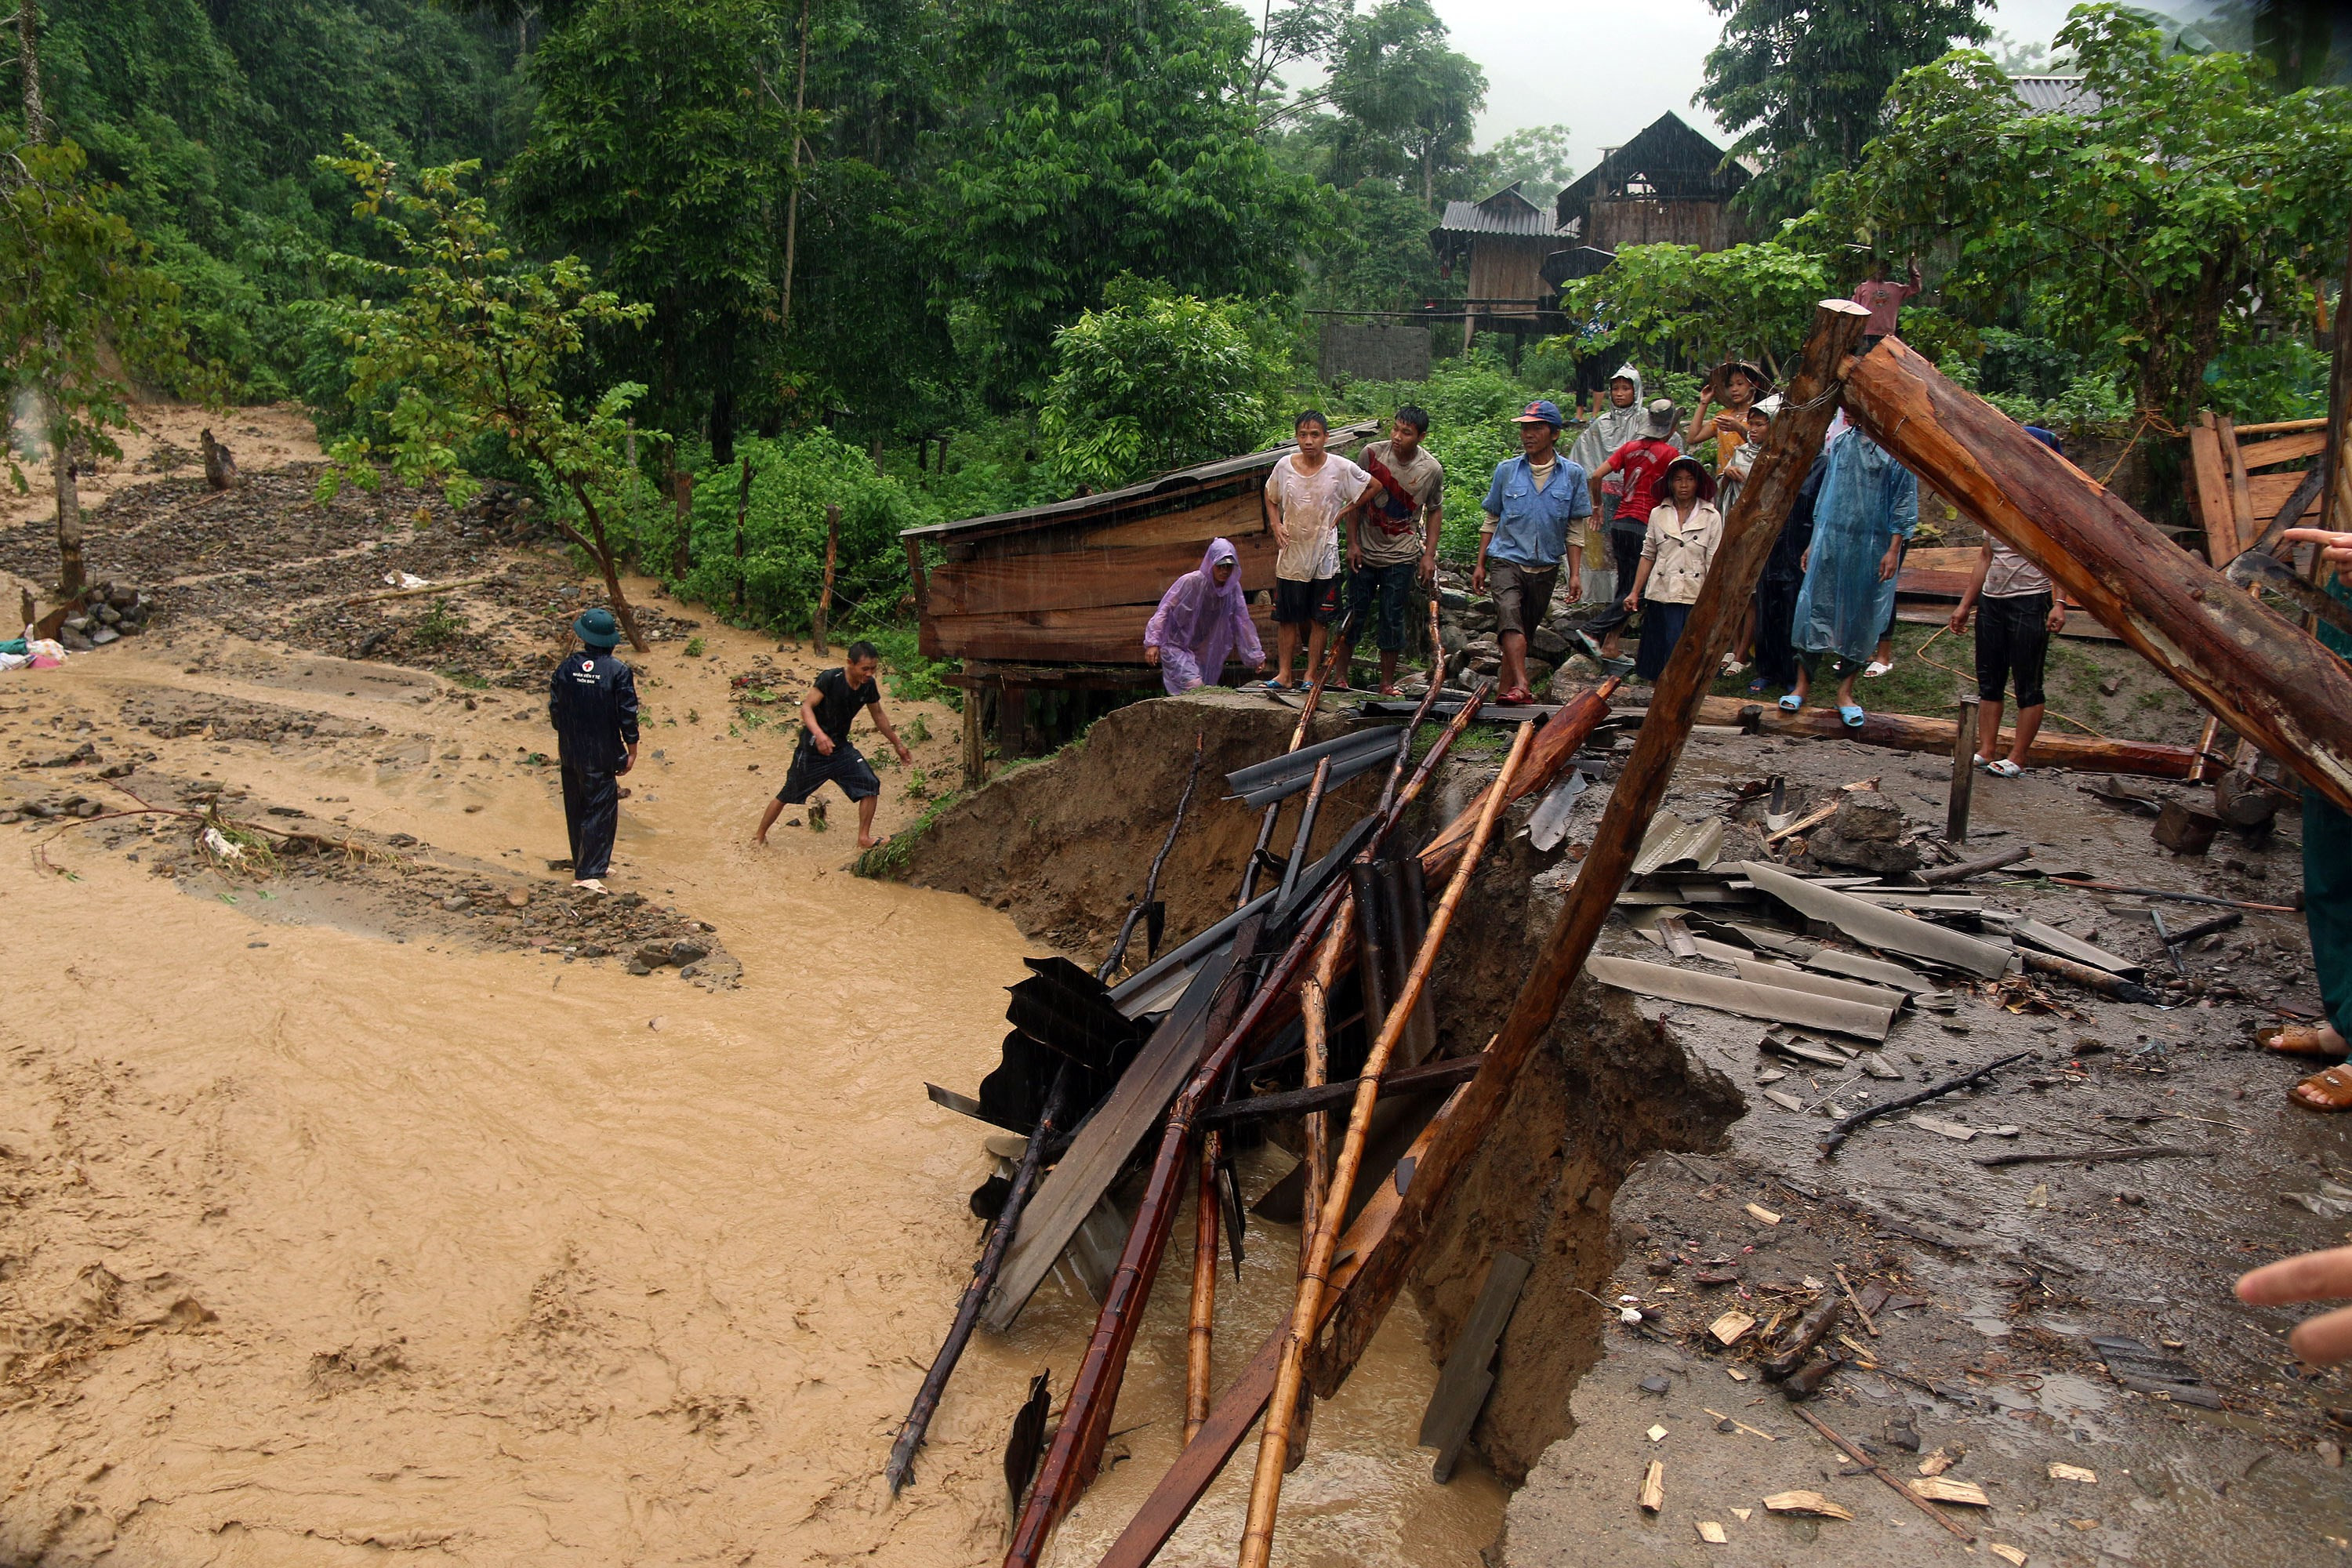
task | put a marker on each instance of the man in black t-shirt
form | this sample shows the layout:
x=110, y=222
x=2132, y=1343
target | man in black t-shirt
x=824, y=752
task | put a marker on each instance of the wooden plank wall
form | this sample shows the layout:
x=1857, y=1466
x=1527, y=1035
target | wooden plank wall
x=2232, y=499
x=1083, y=592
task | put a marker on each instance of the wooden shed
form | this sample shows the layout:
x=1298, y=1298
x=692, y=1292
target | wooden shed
x=1500, y=243
x=1667, y=186
x=1054, y=598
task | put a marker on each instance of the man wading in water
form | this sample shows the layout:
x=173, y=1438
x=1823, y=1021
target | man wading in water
x=824, y=752
x=591, y=700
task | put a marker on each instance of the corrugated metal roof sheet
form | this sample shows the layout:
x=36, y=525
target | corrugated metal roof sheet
x=1111, y=500
x=2054, y=94
x=1505, y=212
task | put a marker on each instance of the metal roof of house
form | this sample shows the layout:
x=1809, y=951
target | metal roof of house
x=2054, y=94
x=1667, y=161
x=1506, y=212
x=1175, y=480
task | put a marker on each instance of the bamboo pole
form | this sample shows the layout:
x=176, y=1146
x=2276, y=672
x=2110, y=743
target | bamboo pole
x=1314, y=1008
x=2263, y=676
x=1199, y=1332
x=1151, y=882
x=1298, y=738
x=1307, y=1313
x=901, y=1467
x=1070, y=1464
x=1747, y=536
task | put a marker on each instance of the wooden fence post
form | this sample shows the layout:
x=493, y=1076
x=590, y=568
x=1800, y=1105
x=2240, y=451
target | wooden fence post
x=742, y=511
x=824, y=595
x=1964, y=771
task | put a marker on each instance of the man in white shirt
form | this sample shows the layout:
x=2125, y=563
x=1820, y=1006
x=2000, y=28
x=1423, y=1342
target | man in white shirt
x=1304, y=495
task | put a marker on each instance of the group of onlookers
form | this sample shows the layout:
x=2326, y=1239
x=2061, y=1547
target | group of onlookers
x=1353, y=538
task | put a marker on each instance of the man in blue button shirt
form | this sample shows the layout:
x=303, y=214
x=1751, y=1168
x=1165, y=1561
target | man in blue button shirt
x=1534, y=510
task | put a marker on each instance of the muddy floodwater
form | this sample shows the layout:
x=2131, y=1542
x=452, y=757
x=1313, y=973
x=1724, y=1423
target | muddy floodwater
x=332, y=1233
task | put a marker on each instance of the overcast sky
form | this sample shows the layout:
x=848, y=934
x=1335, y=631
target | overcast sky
x=1608, y=68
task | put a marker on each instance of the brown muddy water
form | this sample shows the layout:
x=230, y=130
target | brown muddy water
x=328, y=1237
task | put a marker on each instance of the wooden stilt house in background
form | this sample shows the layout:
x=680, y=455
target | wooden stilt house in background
x=1053, y=600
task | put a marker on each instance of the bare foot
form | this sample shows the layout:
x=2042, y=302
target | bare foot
x=864, y=842
x=761, y=838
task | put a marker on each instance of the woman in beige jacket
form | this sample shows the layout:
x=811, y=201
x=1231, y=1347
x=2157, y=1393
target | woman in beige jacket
x=1684, y=532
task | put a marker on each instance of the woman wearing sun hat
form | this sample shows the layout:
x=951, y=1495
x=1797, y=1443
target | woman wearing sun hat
x=1685, y=529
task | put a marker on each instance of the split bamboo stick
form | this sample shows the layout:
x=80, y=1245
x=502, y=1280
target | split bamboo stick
x=1298, y=738
x=1266, y=1491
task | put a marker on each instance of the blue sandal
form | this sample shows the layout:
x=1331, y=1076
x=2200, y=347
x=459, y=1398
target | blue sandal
x=1851, y=716
x=1756, y=687
x=1792, y=703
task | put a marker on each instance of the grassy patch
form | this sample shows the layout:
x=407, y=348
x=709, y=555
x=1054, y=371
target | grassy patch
x=890, y=857
x=438, y=626
x=471, y=679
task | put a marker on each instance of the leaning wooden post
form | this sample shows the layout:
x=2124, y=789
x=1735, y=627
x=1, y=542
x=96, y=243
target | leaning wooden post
x=2261, y=674
x=824, y=596
x=2335, y=507
x=1199, y=1333
x=1748, y=535
x=1964, y=771
x=1306, y=1312
x=742, y=514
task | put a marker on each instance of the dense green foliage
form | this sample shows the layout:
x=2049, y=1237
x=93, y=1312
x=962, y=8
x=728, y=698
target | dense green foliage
x=1703, y=306
x=1800, y=82
x=78, y=289
x=473, y=344
x=1158, y=382
x=208, y=118
x=2186, y=216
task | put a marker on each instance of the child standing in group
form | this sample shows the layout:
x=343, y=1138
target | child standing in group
x=1685, y=529
x=1304, y=495
x=824, y=753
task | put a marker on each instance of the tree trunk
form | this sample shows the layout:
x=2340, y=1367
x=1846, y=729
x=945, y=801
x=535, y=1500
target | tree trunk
x=28, y=67
x=71, y=578
x=2260, y=673
x=722, y=422
x=601, y=550
x=793, y=202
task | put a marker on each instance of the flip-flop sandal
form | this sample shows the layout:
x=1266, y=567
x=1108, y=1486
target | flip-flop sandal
x=2002, y=768
x=1851, y=716
x=1792, y=703
x=1390, y=691
x=1875, y=668
x=1756, y=687
x=2330, y=1089
x=2298, y=1041
x=1519, y=698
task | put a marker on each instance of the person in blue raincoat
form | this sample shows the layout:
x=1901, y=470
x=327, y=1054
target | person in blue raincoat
x=1869, y=504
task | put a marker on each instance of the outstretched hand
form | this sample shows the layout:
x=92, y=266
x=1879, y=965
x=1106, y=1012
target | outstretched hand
x=2334, y=547
x=2313, y=1276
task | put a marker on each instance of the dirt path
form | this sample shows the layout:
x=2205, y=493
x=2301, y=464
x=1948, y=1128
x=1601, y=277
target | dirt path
x=165, y=439
x=375, y=1206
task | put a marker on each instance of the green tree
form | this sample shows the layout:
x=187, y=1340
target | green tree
x=79, y=296
x=1407, y=101
x=1155, y=382
x=1751, y=300
x=661, y=153
x=1800, y=81
x=1539, y=159
x=1104, y=137
x=2183, y=216
x=476, y=342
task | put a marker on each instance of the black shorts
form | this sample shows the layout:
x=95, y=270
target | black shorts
x=846, y=767
x=2012, y=643
x=1295, y=604
x=1625, y=541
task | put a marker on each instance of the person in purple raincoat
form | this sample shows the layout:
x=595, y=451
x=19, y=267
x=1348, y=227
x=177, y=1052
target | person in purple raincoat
x=1201, y=619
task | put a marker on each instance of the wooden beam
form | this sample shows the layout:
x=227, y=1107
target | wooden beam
x=2209, y=487
x=1965, y=752
x=1747, y=536
x=2243, y=526
x=1936, y=737
x=1110, y=634
x=2266, y=677
x=1463, y=1386
x=1082, y=578
x=2280, y=449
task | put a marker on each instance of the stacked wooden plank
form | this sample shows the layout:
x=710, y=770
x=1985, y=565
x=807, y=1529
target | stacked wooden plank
x=2236, y=486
